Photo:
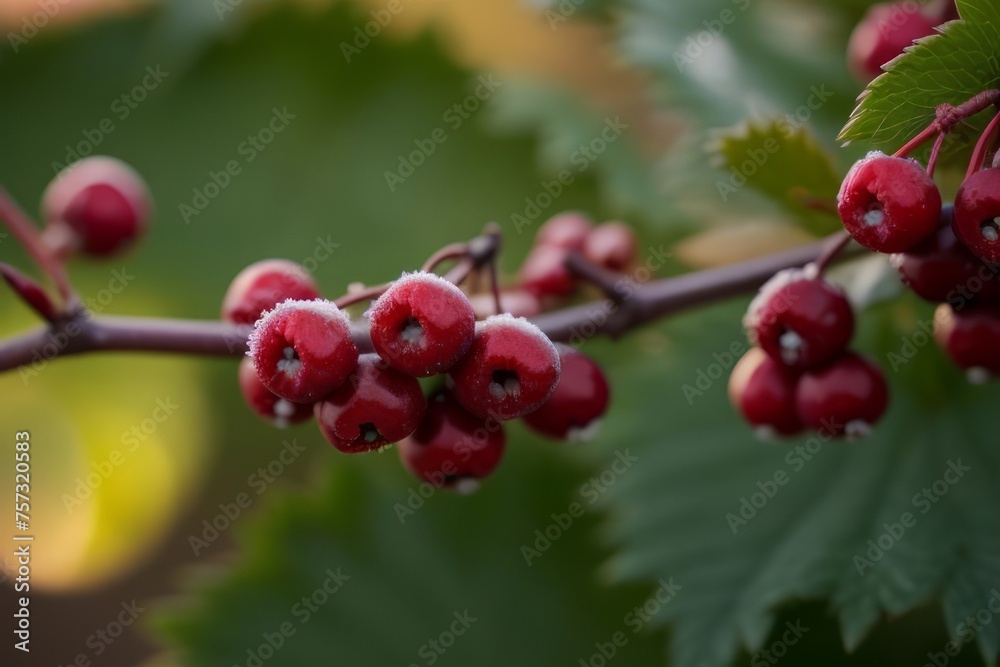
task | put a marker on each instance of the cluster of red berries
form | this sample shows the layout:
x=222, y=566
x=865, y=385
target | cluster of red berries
x=304, y=360
x=799, y=374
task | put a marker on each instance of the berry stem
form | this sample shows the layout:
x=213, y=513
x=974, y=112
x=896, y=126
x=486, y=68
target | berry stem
x=451, y=251
x=835, y=244
x=947, y=117
x=30, y=292
x=982, y=147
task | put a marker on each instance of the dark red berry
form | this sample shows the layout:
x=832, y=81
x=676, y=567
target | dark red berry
x=611, y=245
x=267, y=405
x=452, y=448
x=889, y=204
x=800, y=320
x=263, y=285
x=566, y=230
x=977, y=214
x=763, y=390
x=303, y=350
x=882, y=35
x=574, y=410
x=422, y=324
x=375, y=407
x=98, y=205
x=544, y=272
x=510, y=370
x=970, y=338
x=941, y=269
x=846, y=397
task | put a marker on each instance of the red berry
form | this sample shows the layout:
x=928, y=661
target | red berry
x=580, y=399
x=889, y=204
x=970, y=337
x=566, y=230
x=977, y=214
x=942, y=269
x=882, y=35
x=99, y=205
x=452, y=448
x=800, y=320
x=611, y=245
x=510, y=370
x=374, y=408
x=422, y=324
x=264, y=403
x=544, y=272
x=763, y=390
x=263, y=285
x=846, y=397
x=303, y=350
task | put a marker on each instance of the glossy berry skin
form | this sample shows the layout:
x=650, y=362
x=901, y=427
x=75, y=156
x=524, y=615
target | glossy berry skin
x=544, y=272
x=942, y=269
x=889, y=204
x=510, y=370
x=422, y=324
x=453, y=448
x=375, y=407
x=611, y=245
x=98, y=205
x=977, y=208
x=799, y=320
x=265, y=404
x=763, y=391
x=303, y=350
x=882, y=35
x=969, y=337
x=566, y=230
x=846, y=397
x=579, y=401
x=263, y=285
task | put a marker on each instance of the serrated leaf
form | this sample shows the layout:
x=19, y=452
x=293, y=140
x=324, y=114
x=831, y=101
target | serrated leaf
x=783, y=162
x=949, y=67
x=674, y=515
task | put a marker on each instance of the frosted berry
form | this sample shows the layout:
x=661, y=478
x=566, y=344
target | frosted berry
x=580, y=399
x=303, y=350
x=453, y=448
x=544, y=272
x=941, y=269
x=977, y=214
x=266, y=404
x=517, y=302
x=889, y=204
x=882, y=35
x=566, y=230
x=800, y=319
x=763, y=390
x=422, y=324
x=969, y=337
x=846, y=397
x=98, y=205
x=375, y=407
x=510, y=370
x=611, y=245
x=263, y=285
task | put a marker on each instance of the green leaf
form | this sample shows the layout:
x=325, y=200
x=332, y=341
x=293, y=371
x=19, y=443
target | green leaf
x=809, y=514
x=412, y=559
x=947, y=68
x=783, y=162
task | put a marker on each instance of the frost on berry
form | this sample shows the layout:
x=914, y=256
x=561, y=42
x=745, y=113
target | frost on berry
x=265, y=403
x=263, y=285
x=303, y=350
x=422, y=324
